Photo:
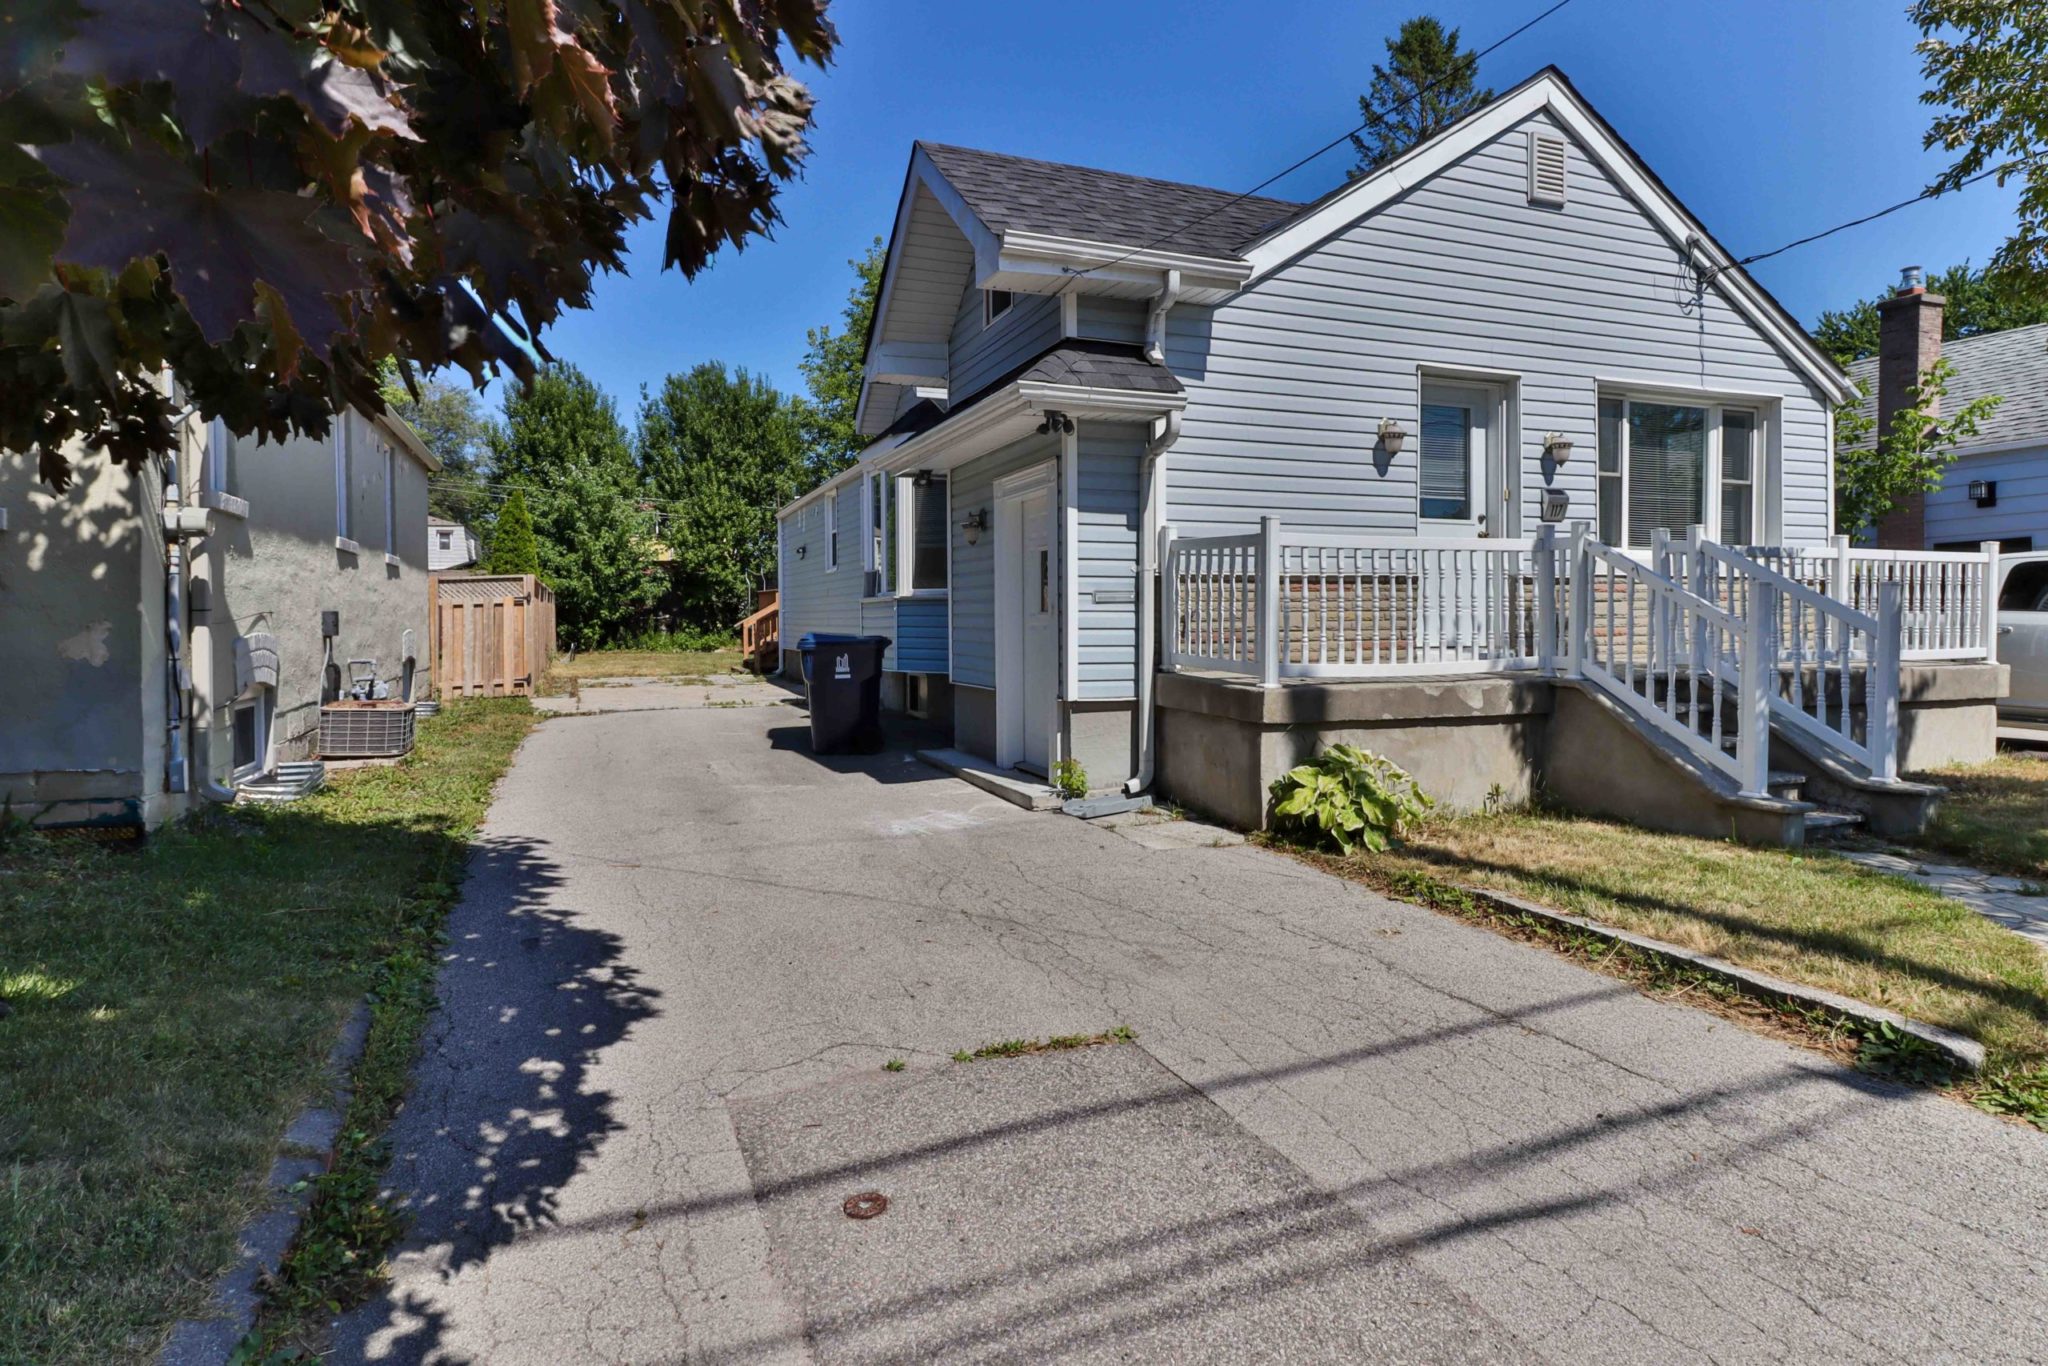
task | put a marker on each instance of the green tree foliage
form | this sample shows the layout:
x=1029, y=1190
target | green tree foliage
x=1986, y=64
x=1426, y=86
x=561, y=442
x=832, y=370
x=1872, y=477
x=1978, y=301
x=273, y=196
x=514, y=548
x=455, y=428
x=720, y=451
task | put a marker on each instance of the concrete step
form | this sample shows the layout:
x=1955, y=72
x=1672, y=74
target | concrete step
x=1785, y=783
x=1019, y=789
x=1828, y=824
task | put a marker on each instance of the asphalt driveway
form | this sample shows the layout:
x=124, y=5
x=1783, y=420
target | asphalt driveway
x=1349, y=1128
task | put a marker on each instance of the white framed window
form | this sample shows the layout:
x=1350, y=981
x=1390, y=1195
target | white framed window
x=1675, y=463
x=444, y=539
x=994, y=304
x=390, y=498
x=249, y=731
x=832, y=530
x=1452, y=455
x=342, y=477
x=881, y=560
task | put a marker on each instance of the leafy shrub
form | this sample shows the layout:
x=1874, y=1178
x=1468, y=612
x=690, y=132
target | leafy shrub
x=1346, y=797
x=1069, y=779
x=682, y=640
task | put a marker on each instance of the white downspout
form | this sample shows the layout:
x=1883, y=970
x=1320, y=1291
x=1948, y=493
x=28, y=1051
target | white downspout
x=1148, y=540
x=178, y=776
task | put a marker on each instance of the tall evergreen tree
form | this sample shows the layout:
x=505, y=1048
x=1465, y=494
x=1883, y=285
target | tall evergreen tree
x=561, y=442
x=513, y=547
x=1426, y=86
x=721, y=450
x=832, y=370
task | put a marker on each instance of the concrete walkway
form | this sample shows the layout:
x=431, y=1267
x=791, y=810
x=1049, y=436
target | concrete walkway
x=1350, y=1129
x=2019, y=905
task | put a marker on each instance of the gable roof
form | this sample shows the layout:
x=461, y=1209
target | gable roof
x=1019, y=194
x=1549, y=89
x=2012, y=364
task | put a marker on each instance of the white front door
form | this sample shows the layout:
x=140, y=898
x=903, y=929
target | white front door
x=1039, y=630
x=1458, y=453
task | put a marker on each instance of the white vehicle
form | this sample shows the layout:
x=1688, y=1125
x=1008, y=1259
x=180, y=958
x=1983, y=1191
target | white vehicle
x=2023, y=637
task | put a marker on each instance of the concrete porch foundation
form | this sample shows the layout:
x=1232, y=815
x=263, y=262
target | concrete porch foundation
x=1471, y=738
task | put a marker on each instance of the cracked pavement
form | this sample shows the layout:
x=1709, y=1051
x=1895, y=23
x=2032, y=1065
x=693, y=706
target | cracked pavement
x=1350, y=1127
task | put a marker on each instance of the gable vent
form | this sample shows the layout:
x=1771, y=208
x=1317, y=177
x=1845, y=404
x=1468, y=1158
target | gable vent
x=1546, y=168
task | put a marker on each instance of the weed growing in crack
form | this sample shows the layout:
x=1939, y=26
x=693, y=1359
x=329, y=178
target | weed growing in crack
x=1058, y=1043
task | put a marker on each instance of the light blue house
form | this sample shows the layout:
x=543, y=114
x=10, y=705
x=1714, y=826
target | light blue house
x=1176, y=482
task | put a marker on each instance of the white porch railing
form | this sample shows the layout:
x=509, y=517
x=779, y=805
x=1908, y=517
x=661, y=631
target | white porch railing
x=1279, y=603
x=1948, y=599
x=1829, y=656
x=1689, y=668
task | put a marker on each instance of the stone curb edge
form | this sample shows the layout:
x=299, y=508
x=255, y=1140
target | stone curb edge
x=262, y=1242
x=1965, y=1052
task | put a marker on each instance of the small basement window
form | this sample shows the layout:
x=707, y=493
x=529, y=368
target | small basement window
x=994, y=304
x=1546, y=168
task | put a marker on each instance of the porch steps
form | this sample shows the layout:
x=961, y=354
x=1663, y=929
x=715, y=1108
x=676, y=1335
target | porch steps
x=289, y=783
x=1821, y=822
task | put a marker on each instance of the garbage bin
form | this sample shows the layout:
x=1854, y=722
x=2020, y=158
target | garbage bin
x=843, y=681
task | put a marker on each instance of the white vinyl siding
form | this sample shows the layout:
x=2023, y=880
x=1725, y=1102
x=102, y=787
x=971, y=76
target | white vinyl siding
x=1289, y=380
x=813, y=598
x=974, y=579
x=2022, y=508
x=982, y=353
x=1106, y=559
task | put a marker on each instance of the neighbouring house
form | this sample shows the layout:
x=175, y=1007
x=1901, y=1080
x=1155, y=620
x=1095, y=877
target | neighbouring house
x=1997, y=487
x=171, y=632
x=1491, y=460
x=450, y=545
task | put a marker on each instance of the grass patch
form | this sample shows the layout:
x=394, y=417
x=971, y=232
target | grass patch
x=1803, y=915
x=1058, y=1043
x=172, y=1007
x=1995, y=815
x=683, y=666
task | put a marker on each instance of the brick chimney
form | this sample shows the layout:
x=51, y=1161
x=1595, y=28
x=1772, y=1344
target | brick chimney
x=1908, y=344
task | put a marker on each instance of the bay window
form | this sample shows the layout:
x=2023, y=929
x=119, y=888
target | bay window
x=1677, y=464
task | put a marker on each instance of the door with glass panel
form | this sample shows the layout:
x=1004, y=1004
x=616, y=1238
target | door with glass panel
x=1460, y=438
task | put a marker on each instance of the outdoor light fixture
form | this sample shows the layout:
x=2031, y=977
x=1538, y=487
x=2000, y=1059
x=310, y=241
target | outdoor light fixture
x=922, y=479
x=1055, y=422
x=1391, y=436
x=1984, y=492
x=802, y=551
x=1558, y=447
x=976, y=523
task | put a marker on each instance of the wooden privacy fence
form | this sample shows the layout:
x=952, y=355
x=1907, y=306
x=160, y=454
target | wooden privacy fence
x=492, y=634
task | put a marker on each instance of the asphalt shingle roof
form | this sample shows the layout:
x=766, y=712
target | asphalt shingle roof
x=2012, y=364
x=1019, y=194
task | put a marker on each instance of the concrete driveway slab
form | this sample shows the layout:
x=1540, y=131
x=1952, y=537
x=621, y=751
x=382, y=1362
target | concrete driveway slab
x=679, y=920
x=1084, y=1206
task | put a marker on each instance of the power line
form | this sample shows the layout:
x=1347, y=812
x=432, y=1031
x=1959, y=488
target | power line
x=1932, y=193
x=1471, y=64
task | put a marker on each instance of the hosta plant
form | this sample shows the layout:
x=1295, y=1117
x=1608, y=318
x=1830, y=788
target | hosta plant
x=1346, y=797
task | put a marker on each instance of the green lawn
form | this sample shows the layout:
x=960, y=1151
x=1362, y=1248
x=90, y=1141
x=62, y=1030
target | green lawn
x=1995, y=815
x=171, y=1008
x=686, y=666
x=1803, y=915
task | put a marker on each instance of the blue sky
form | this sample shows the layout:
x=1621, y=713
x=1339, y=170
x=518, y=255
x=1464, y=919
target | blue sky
x=1769, y=118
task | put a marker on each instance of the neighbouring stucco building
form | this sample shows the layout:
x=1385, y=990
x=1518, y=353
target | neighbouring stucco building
x=166, y=639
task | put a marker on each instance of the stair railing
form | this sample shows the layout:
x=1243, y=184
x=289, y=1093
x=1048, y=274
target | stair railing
x=1692, y=670
x=1830, y=657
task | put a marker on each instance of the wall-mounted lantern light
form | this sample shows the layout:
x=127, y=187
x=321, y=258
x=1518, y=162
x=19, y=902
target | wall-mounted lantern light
x=802, y=551
x=976, y=523
x=1558, y=447
x=922, y=479
x=1984, y=492
x=1392, y=438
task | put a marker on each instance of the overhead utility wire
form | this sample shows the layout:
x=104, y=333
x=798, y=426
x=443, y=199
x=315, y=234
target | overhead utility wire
x=1471, y=64
x=1871, y=217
